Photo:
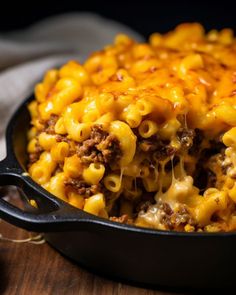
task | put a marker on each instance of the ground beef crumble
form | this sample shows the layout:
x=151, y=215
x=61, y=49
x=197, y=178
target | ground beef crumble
x=99, y=147
x=33, y=157
x=60, y=138
x=159, y=148
x=182, y=216
x=49, y=126
x=82, y=188
x=173, y=219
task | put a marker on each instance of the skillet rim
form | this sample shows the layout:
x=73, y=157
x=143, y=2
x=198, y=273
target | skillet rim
x=93, y=218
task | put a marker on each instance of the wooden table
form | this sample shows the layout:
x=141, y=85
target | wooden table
x=28, y=269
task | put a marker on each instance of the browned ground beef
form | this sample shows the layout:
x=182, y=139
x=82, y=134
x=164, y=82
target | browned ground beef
x=33, y=157
x=60, y=138
x=49, y=126
x=183, y=216
x=82, y=188
x=99, y=147
x=173, y=219
x=160, y=149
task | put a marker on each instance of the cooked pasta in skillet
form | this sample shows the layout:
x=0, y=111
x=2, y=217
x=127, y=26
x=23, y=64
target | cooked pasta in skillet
x=143, y=133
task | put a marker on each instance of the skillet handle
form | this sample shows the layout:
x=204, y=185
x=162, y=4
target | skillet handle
x=53, y=214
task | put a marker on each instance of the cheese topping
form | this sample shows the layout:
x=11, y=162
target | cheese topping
x=143, y=133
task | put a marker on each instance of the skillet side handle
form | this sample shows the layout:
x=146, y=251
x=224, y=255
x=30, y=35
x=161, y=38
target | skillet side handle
x=55, y=221
x=53, y=215
x=18, y=217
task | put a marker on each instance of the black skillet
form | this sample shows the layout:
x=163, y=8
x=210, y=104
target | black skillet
x=115, y=250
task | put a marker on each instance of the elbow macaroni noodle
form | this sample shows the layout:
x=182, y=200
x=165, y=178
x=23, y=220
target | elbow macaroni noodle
x=143, y=133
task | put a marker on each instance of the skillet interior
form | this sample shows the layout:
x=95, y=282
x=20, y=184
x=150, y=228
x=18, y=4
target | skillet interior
x=141, y=256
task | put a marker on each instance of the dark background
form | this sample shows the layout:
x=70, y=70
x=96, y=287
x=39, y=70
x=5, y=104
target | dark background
x=144, y=16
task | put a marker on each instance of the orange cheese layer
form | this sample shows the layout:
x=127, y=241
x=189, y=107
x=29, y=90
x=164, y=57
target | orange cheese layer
x=143, y=133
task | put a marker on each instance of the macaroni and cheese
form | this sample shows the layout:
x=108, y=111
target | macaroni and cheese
x=143, y=133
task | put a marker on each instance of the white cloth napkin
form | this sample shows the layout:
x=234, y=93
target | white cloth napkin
x=25, y=55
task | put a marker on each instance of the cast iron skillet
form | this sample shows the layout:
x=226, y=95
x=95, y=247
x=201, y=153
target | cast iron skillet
x=115, y=250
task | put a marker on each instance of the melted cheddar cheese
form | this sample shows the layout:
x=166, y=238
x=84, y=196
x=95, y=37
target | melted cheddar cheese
x=143, y=133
